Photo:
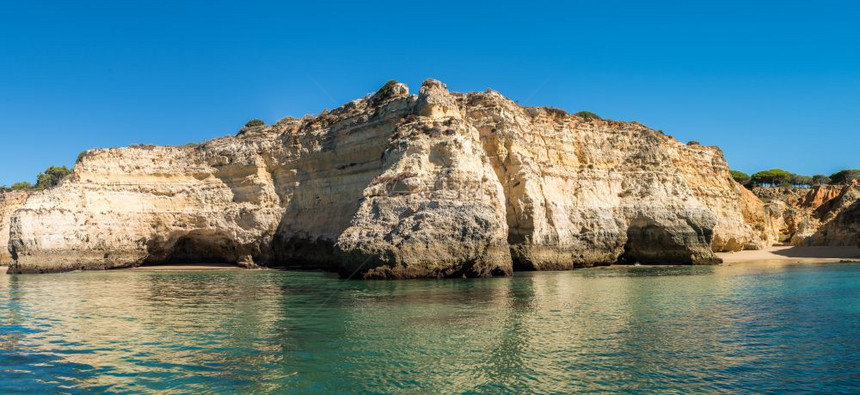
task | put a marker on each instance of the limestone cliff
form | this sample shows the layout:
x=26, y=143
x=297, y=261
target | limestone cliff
x=822, y=215
x=9, y=202
x=395, y=185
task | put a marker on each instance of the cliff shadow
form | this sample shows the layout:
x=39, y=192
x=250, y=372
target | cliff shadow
x=650, y=241
x=645, y=243
x=325, y=189
x=824, y=252
x=194, y=247
x=844, y=229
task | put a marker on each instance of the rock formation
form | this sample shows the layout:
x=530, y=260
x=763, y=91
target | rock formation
x=9, y=202
x=395, y=185
x=822, y=215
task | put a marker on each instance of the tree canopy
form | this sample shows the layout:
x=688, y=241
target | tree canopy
x=820, y=179
x=19, y=186
x=799, y=180
x=780, y=177
x=51, y=177
x=845, y=177
x=739, y=176
x=772, y=177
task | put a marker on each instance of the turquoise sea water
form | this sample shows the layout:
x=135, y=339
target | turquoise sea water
x=733, y=329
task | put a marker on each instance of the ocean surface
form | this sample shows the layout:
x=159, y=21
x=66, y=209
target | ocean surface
x=724, y=329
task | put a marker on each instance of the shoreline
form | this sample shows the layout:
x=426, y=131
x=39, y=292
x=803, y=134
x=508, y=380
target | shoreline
x=774, y=254
x=184, y=267
x=798, y=254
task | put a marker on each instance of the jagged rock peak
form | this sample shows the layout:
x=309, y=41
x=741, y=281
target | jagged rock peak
x=431, y=86
x=391, y=89
x=435, y=101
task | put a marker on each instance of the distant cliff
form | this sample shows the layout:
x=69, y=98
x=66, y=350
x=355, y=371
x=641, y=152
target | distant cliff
x=821, y=215
x=396, y=185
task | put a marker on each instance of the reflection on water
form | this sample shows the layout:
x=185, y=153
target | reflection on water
x=749, y=328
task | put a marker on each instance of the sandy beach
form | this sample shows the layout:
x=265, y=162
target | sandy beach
x=186, y=267
x=793, y=254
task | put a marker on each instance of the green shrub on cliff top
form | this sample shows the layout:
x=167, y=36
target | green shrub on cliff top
x=20, y=186
x=587, y=115
x=254, y=122
x=51, y=177
x=81, y=156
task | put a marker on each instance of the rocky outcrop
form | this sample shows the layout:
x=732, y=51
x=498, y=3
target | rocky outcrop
x=741, y=218
x=395, y=185
x=582, y=192
x=9, y=202
x=819, y=216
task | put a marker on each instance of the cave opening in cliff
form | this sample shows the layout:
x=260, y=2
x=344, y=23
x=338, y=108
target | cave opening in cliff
x=194, y=248
x=644, y=242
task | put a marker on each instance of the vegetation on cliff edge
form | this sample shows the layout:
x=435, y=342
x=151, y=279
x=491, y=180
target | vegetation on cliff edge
x=739, y=176
x=254, y=123
x=49, y=178
x=845, y=177
x=783, y=178
x=587, y=115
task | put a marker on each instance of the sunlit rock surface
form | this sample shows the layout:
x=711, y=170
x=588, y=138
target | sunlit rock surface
x=9, y=202
x=827, y=215
x=396, y=185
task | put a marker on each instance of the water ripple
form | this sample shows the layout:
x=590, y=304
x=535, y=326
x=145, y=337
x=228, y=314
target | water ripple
x=726, y=329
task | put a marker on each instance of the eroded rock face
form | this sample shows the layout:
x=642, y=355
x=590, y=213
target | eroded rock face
x=576, y=186
x=9, y=202
x=437, y=208
x=395, y=185
x=822, y=215
x=125, y=207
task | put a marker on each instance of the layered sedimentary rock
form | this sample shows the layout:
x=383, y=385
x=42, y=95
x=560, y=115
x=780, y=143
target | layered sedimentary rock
x=9, y=202
x=819, y=216
x=395, y=185
x=582, y=191
x=742, y=221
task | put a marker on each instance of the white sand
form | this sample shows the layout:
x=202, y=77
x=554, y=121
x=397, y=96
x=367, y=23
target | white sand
x=793, y=254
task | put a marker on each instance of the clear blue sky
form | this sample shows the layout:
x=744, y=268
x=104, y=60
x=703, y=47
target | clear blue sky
x=774, y=84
